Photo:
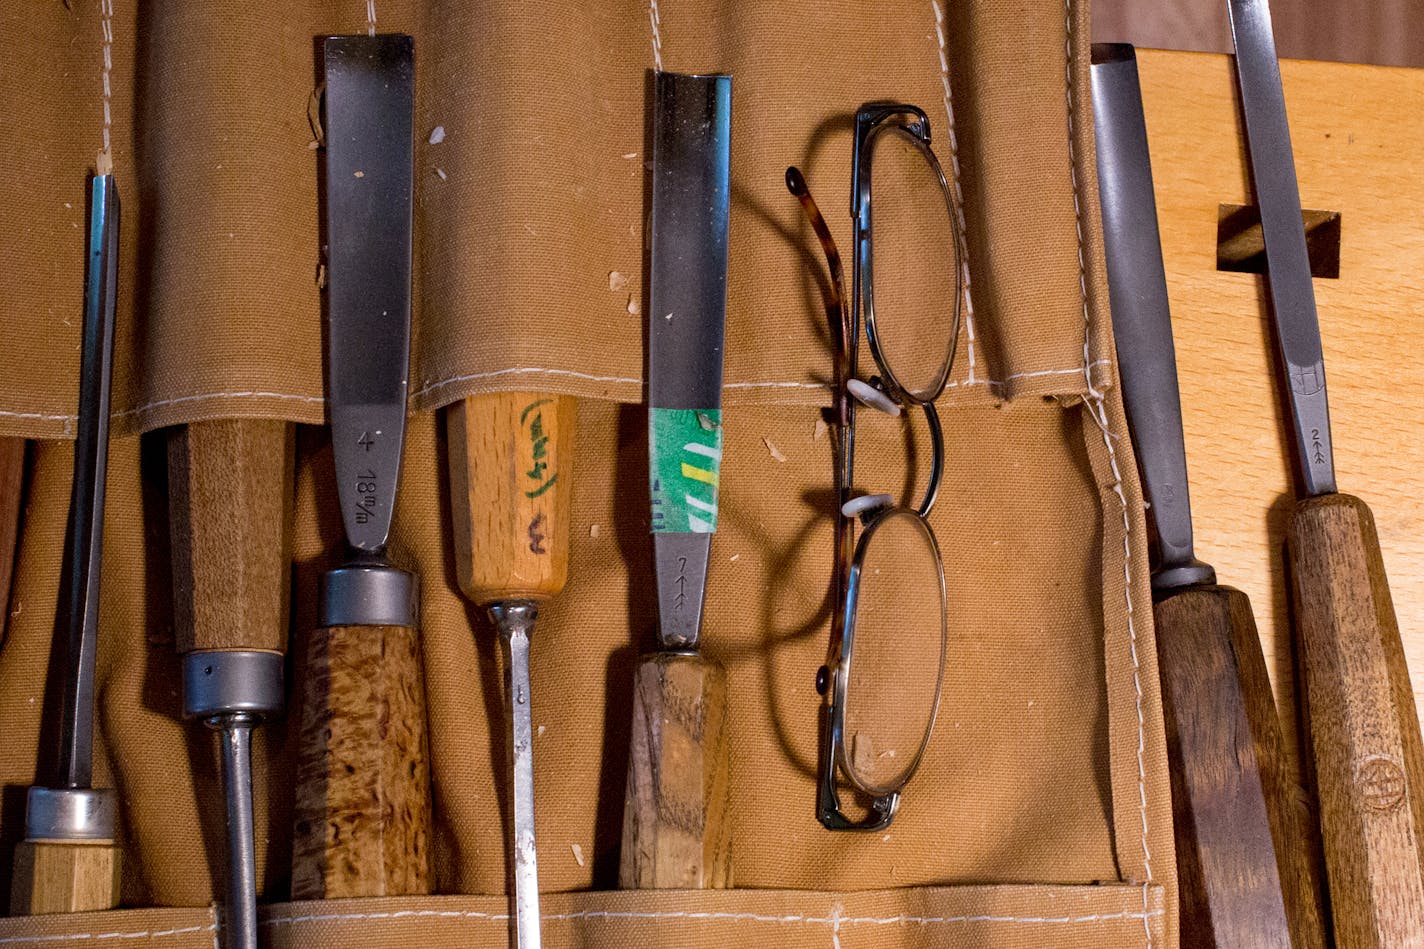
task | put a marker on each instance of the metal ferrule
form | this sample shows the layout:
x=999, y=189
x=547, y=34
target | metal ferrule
x=511, y=617
x=70, y=814
x=218, y=682
x=369, y=595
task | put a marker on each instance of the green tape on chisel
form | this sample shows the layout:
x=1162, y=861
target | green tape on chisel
x=685, y=448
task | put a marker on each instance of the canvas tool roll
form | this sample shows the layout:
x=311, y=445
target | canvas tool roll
x=1040, y=816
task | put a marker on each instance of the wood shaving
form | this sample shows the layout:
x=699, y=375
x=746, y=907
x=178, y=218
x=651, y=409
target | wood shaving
x=578, y=853
x=633, y=306
x=441, y=173
x=820, y=431
x=437, y=135
x=593, y=530
x=359, y=174
x=706, y=422
x=541, y=730
x=321, y=276
x=736, y=557
x=630, y=154
x=775, y=452
x=616, y=281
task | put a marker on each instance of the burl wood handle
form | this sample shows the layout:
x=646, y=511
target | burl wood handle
x=230, y=501
x=60, y=876
x=675, y=829
x=1364, y=732
x=511, y=476
x=1245, y=872
x=362, y=811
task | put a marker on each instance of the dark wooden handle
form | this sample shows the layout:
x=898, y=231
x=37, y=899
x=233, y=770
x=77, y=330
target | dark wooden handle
x=362, y=811
x=511, y=479
x=1363, y=729
x=230, y=502
x=1245, y=869
x=675, y=829
x=60, y=876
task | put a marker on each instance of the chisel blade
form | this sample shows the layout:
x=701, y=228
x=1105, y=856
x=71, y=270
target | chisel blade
x=86, y=501
x=370, y=89
x=1292, y=294
x=686, y=327
x=1142, y=320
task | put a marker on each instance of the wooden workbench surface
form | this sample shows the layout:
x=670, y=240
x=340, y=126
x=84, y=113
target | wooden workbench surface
x=1357, y=132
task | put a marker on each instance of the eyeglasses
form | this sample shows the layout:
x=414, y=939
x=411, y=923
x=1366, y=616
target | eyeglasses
x=890, y=627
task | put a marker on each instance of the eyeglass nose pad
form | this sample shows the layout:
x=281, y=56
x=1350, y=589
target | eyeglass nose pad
x=873, y=396
x=865, y=505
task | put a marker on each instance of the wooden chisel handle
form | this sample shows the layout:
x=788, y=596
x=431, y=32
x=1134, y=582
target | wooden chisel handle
x=675, y=829
x=510, y=493
x=1245, y=873
x=362, y=822
x=1363, y=729
x=230, y=506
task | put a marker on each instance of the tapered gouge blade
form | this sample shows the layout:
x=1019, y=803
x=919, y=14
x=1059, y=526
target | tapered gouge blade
x=1363, y=730
x=363, y=782
x=1245, y=873
x=69, y=859
x=674, y=827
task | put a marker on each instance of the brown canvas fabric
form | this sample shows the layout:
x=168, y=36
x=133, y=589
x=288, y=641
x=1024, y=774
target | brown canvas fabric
x=1040, y=816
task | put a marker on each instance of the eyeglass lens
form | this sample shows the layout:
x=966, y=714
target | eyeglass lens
x=896, y=653
x=914, y=270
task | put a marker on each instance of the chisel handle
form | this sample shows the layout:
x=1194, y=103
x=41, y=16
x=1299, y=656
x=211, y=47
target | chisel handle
x=1244, y=870
x=510, y=493
x=362, y=822
x=64, y=876
x=1363, y=729
x=230, y=507
x=675, y=829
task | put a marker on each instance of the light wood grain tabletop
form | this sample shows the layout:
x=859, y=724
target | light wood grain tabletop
x=1357, y=132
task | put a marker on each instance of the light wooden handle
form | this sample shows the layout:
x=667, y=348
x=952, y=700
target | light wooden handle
x=62, y=876
x=511, y=475
x=1363, y=730
x=362, y=810
x=230, y=500
x=1246, y=872
x=675, y=829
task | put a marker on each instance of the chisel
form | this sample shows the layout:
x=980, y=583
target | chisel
x=1244, y=875
x=362, y=823
x=229, y=490
x=510, y=483
x=675, y=832
x=1363, y=730
x=12, y=480
x=69, y=859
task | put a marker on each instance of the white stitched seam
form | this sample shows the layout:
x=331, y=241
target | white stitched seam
x=630, y=380
x=75, y=937
x=656, y=21
x=1096, y=408
x=370, y=17
x=317, y=400
x=960, y=231
x=833, y=920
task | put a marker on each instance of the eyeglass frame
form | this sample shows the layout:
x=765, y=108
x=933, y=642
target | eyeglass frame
x=871, y=119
